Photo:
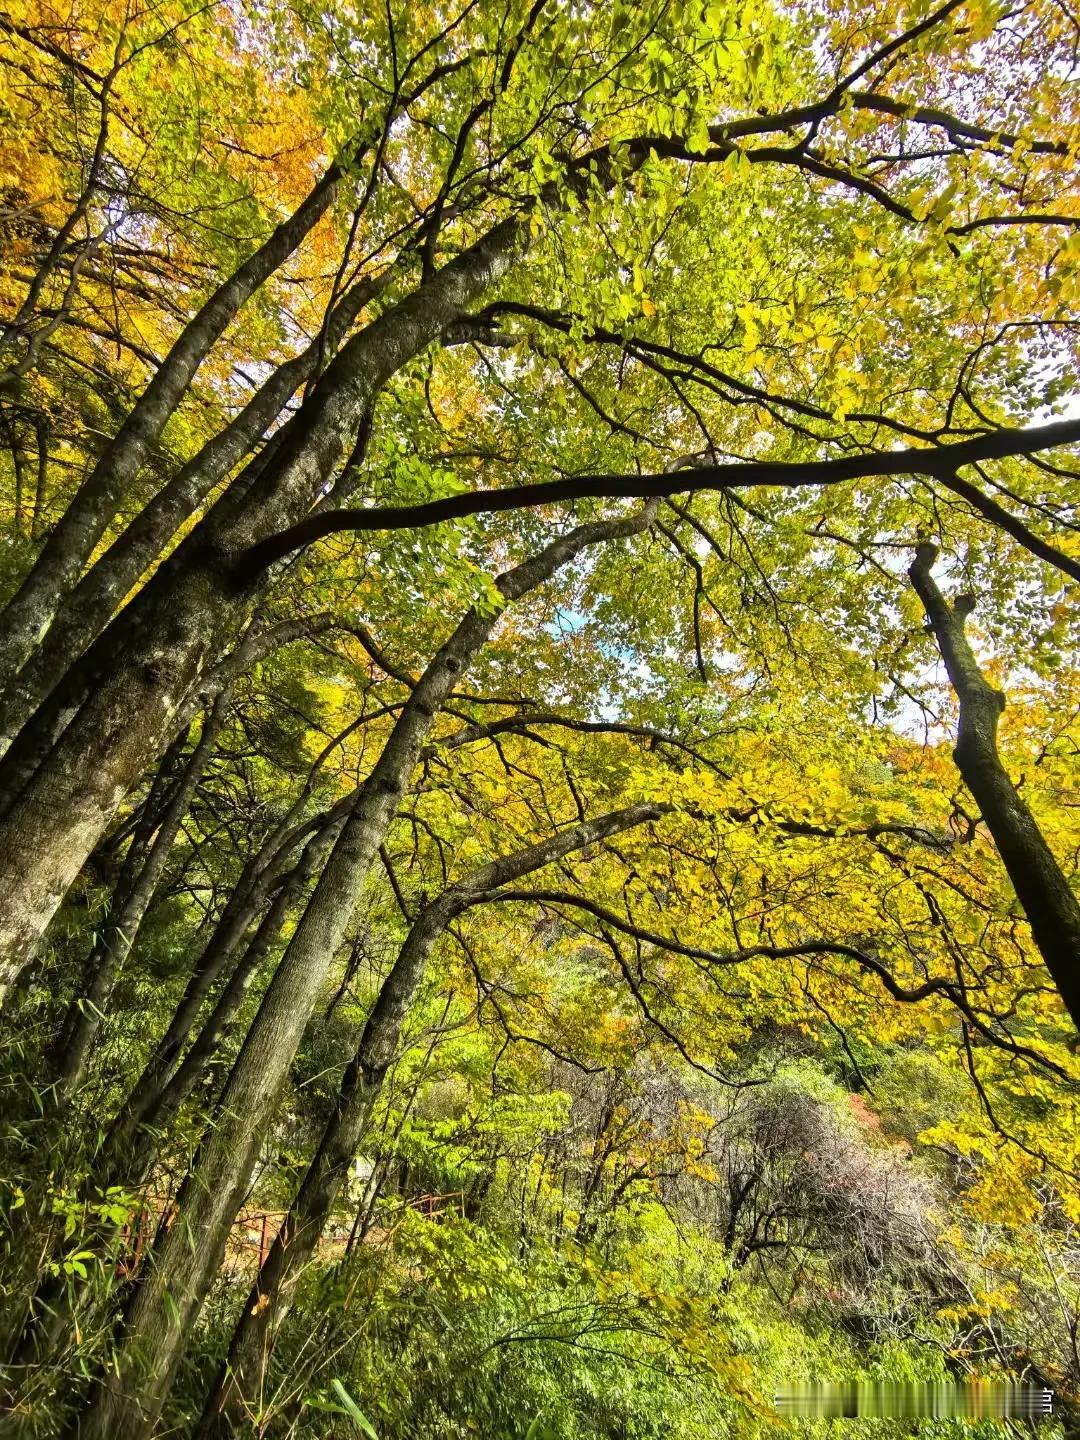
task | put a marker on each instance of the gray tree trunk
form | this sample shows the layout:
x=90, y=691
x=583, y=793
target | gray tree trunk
x=162, y=1088
x=84, y=612
x=148, y=662
x=27, y=616
x=122, y=929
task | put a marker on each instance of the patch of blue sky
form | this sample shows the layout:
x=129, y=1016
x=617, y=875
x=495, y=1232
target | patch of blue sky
x=566, y=621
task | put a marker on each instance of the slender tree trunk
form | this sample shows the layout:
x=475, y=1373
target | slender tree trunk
x=148, y=662
x=161, y=1090
x=149, y=816
x=49, y=1310
x=63, y=243
x=37, y=516
x=70, y=1054
x=261, y=873
x=67, y=550
x=128, y=1398
x=1040, y=884
x=86, y=611
x=131, y=1145
x=17, y=525
x=240, y=1381
x=84, y=1020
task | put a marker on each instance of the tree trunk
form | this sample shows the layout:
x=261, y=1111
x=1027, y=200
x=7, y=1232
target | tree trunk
x=162, y=1089
x=128, y=1398
x=147, y=662
x=260, y=874
x=71, y=1051
x=37, y=517
x=67, y=550
x=84, y=1019
x=240, y=1381
x=49, y=1307
x=1040, y=884
x=35, y=743
x=86, y=611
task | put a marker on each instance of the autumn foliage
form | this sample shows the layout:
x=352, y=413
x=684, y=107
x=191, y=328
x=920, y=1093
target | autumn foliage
x=540, y=712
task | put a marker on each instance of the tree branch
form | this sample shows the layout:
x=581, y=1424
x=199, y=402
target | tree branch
x=939, y=462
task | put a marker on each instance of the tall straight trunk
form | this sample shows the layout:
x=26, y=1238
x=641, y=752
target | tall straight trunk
x=1041, y=886
x=67, y=550
x=128, y=1398
x=84, y=612
x=147, y=663
x=37, y=517
x=20, y=484
x=237, y=1388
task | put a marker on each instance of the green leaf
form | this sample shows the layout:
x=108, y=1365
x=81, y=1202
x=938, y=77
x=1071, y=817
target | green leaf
x=356, y=1415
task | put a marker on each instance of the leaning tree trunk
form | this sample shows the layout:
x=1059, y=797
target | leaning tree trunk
x=69, y=547
x=239, y=1382
x=239, y=919
x=41, y=1320
x=23, y=760
x=147, y=663
x=86, y=1012
x=131, y=1144
x=128, y=1398
x=130, y=1148
x=1041, y=886
x=86, y=611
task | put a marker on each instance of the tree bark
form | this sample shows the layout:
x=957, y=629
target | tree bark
x=1041, y=886
x=239, y=1382
x=128, y=1398
x=87, y=609
x=146, y=664
x=34, y=745
x=67, y=550
x=84, y=1019
x=131, y=1145
x=71, y=1052
x=164, y=1084
x=146, y=1101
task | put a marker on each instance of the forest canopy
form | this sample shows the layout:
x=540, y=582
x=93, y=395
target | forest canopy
x=539, y=712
